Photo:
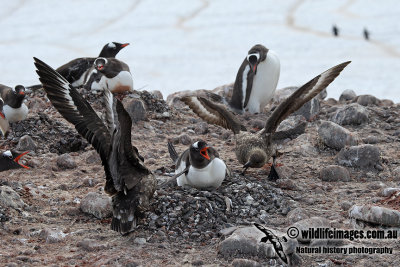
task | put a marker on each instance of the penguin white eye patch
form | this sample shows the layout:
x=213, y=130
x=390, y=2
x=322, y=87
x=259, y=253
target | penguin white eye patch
x=253, y=57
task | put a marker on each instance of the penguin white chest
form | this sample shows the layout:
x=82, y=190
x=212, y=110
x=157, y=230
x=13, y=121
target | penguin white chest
x=123, y=82
x=264, y=83
x=15, y=114
x=210, y=176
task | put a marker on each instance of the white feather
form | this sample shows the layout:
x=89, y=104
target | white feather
x=124, y=78
x=15, y=114
x=244, y=83
x=210, y=176
x=196, y=145
x=264, y=83
x=7, y=153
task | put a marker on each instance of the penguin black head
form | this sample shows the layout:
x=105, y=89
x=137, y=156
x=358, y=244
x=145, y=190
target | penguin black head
x=199, y=154
x=256, y=54
x=20, y=91
x=112, y=49
x=10, y=160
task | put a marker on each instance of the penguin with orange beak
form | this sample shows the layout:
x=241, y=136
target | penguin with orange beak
x=10, y=160
x=14, y=108
x=199, y=166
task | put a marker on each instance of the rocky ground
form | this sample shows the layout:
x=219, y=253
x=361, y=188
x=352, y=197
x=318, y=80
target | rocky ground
x=340, y=169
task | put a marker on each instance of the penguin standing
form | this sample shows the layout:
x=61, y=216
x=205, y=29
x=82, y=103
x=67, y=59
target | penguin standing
x=200, y=166
x=256, y=80
x=14, y=107
x=366, y=34
x=111, y=74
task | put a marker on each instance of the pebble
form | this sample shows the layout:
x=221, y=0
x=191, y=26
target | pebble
x=291, y=127
x=313, y=222
x=336, y=136
x=91, y=245
x=136, y=109
x=185, y=139
x=245, y=242
x=375, y=215
x=347, y=95
x=26, y=143
x=157, y=94
x=334, y=173
x=367, y=100
x=97, y=204
x=310, y=109
x=245, y=263
x=362, y=156
x=353, y=114
x=346, y=205
x=296, y=215
x=10, y=198
x=201, y=128
x=388, y=191
x=52, y=235
x=140, y=241
x=65, y=161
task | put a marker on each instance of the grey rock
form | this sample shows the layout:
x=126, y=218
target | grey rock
x=376, y=215
x=334, y=173
x=185, y=139
x=136, y=109
x=140, y=241
x=313, y=222
x=93, y=157
x=322, y=95
x=347, y=95
x=246, y=242
x=310, y=109
x=52, y=235
x=362, y=156
x=96, y=204
x=26, y=143
x=65, y=161
x=371, y=139
x=90, y=245
x=228, y=231
x=335, y=136
x=388, y=191
x=10, y=198
x=367, y=100
x=346, y=205
x=157, y=94
x=291, y=127
x=245, y=263
x=353, y=114
x=296, y=215
x=201, y=128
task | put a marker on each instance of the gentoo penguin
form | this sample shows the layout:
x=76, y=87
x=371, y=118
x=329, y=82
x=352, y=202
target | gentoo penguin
x=14, y=107
x=201, y=166
x=130, y=183
x=111, y=74
x=255, y=150
x=4, y=126
x=75, y=70
x=10, y=160
x=256, y=80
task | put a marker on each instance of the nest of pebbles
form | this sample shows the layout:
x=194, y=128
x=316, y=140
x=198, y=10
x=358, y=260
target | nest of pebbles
x=188, y=213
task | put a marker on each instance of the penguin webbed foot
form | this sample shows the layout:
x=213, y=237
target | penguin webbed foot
x=273, y=174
